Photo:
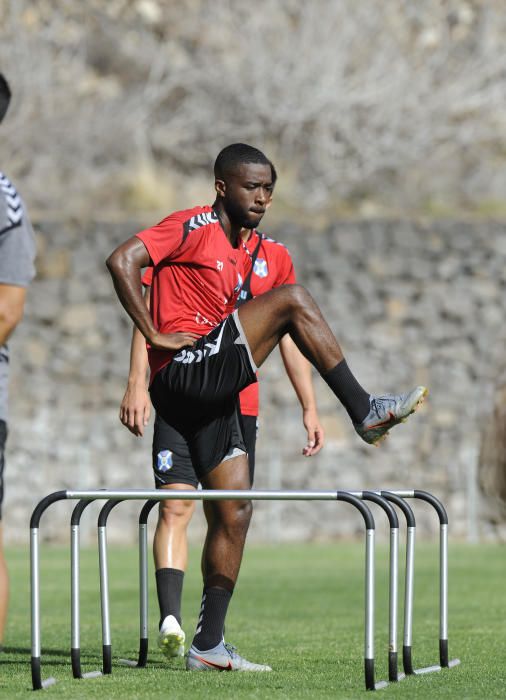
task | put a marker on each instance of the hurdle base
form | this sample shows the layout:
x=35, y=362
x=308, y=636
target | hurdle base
x=443, y=655
x=427, y=669
x=380, y=685
x=407, y=662
x=75, y=655
x=37, y=682
x=143, y=656
x=369, y=677
x=129, y=663
x=393, y=670
x=436, y=667
x=107, y=659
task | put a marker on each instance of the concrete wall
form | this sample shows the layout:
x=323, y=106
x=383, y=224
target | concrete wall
x=411, y=302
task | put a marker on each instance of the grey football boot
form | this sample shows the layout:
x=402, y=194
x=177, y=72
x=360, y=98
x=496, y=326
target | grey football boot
x=223, y=657
x=387, y=411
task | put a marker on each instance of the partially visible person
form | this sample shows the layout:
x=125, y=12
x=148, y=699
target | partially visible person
x=271, y=267
x=17, y=255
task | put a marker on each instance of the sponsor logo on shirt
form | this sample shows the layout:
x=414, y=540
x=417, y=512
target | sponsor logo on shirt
x=187, y=357
x=202, y=320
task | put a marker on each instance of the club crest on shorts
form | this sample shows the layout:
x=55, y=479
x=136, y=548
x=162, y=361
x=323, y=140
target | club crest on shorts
x=260, y=268
x=164, y=461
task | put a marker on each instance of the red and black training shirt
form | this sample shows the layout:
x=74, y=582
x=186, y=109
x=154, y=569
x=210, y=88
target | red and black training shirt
x=197, y=275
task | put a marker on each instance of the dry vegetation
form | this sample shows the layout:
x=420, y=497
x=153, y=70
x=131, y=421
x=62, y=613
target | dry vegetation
x=397, y=105
x=492, y=469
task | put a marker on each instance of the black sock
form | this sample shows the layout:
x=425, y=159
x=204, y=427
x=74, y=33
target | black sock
x=349, y=392
x=212, y=618
x=169, y=587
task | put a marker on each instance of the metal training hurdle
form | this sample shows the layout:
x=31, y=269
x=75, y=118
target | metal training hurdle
x=355, y=498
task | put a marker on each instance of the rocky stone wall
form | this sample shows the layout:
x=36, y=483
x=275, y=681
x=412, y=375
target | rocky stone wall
x=411, y=302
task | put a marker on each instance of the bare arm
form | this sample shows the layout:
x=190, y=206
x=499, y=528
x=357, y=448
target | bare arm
x=12, y=305
x=135, y=407
x=125, y=264
x=299, y=373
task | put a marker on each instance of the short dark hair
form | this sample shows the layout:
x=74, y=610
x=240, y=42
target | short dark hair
x=5, y=96
x=237, y=154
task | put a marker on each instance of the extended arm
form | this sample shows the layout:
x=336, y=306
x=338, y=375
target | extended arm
x=299, y=373
x=12, y=304
x=136, y=406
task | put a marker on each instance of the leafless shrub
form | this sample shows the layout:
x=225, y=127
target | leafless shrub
x=492, y=463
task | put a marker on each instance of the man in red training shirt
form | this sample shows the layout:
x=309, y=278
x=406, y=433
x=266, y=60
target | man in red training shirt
x=200, y=362
x=270, y=267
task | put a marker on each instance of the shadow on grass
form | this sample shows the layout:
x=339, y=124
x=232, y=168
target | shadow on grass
x=16, y=650
x=55, y=657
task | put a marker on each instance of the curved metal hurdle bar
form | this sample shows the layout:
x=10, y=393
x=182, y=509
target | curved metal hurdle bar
x=380, y=498
x=143, y=588
x=117, y=496
x=75, y=650
x=75, y=604
x=104, y=584
x=443, y=579
x=393, y=674
x=104, y=588
x=408, y=580
x=444, y=661
x=394, y=497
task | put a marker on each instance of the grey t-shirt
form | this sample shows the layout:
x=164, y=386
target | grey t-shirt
x=17, y=255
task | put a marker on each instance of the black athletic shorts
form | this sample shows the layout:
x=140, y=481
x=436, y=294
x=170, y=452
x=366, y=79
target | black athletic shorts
x=172, y=463
x=3, y=439
x=196, y=394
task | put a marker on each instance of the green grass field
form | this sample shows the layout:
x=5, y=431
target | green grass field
x=299, y=608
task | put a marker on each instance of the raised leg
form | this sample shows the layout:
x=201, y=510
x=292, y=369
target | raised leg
x=289, y=309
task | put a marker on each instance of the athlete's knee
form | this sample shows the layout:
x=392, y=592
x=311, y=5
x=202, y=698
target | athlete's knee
x=299, y=294
x=176, y=512
x=235, y=516
x=293, y=296
x=245, y=511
